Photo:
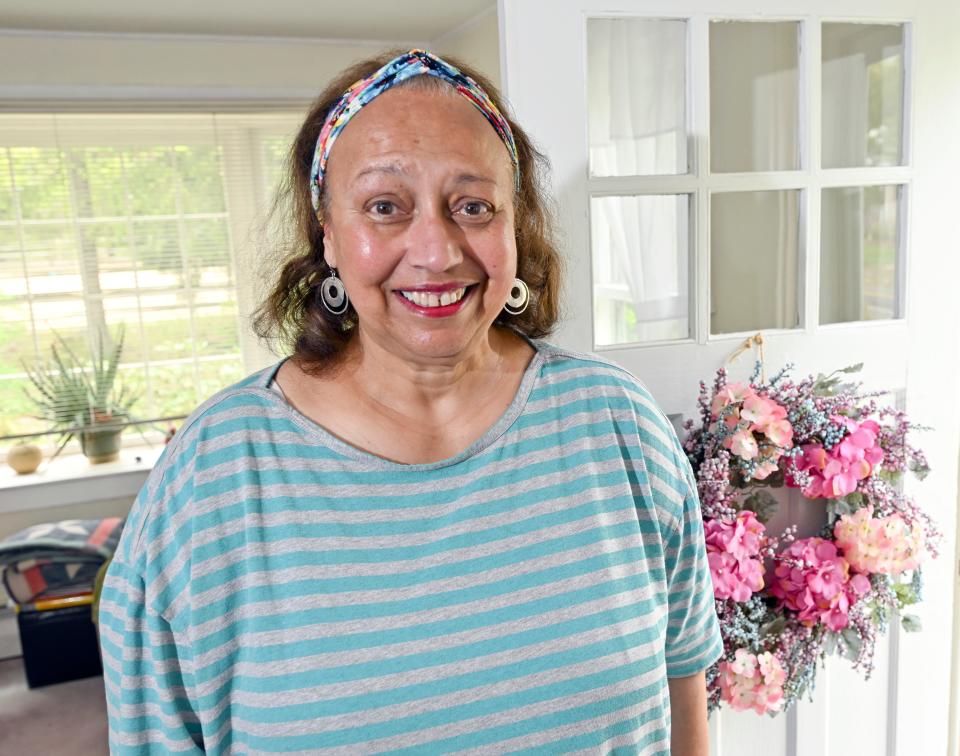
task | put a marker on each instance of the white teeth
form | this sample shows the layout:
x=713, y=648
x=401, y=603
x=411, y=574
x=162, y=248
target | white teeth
x=428, y=299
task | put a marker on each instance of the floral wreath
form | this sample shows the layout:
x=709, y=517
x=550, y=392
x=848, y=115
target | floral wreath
x=786, y=603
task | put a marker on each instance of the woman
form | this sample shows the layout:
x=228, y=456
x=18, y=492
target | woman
x=424, y=530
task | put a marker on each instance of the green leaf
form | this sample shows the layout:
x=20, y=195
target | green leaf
x=856, y=500
x=880, y=612
x=774, y=627
x=852, y=368
x=823, y=385
x=852, y=641
x=920, y=471
x=830, y=642
x=906, y=593
x=837, y=508
x=70, y=391
x=830, y=385
x=890, y=476
x=911, y=623
x=762, y=503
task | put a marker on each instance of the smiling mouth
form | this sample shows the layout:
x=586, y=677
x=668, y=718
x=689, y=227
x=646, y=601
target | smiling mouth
x=429, y=299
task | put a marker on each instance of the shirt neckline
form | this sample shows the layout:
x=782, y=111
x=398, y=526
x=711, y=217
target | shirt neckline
x=316, y=431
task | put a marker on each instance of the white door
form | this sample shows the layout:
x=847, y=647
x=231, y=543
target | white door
x=727, y=167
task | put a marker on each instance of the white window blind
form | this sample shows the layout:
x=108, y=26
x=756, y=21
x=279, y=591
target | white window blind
x=144, y=220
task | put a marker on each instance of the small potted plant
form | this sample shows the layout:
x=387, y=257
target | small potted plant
x=83, y=400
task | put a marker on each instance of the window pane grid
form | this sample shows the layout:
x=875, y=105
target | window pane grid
x=887, y=89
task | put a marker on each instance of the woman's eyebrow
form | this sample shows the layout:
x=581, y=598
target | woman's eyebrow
x=393, y=169
x=468, y=178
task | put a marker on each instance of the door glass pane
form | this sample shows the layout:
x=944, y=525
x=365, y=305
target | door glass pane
x=862, y=94
x=754, y=93
x=858, y=253
x=754, y=261
x=641, y=253
x=636, y=91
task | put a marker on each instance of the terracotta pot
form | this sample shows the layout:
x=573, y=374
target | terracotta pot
x=24, y=458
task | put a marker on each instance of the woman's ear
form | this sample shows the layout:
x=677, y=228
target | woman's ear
x=329, y=247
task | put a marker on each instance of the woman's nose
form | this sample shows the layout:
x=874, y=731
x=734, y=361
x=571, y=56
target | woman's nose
x=434, y=242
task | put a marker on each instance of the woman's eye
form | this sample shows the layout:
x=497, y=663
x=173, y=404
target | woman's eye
x=475, y=209
x=383, y=207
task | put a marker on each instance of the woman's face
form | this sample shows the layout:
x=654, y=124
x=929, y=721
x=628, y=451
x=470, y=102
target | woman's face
x=420, y=223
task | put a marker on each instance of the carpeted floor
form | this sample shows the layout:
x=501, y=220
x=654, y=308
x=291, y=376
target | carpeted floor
x=68, y=718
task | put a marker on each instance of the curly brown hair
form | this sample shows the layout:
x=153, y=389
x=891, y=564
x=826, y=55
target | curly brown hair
x=291, y=313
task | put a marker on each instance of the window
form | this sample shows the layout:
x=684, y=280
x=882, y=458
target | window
x=139, y=220
x=640, y=240
x=713, y=191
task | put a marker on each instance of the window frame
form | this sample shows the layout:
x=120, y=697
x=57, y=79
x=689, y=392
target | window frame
x=245, y=201
x=700, y=184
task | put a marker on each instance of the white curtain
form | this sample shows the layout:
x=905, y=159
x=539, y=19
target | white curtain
x=841, y=259
x=637, y=127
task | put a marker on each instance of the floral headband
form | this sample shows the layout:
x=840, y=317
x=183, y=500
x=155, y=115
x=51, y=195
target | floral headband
x=401, y=68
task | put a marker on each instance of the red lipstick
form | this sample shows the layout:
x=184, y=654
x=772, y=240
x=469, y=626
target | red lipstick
x=440, y=311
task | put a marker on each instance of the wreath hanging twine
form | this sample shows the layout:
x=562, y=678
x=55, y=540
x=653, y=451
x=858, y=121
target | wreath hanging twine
x=787, y=602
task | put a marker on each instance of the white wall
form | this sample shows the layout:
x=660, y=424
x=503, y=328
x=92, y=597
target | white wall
x=476, y=42
x=77, y=67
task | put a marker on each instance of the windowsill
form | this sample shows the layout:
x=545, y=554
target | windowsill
x=71, y=479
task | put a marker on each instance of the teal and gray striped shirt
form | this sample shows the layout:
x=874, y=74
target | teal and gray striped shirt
x=279, y=590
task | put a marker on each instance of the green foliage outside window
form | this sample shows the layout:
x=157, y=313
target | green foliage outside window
x=134, y=235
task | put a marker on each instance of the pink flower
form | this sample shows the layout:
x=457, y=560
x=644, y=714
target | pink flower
x=885, y=545
x=835, y=473
x=758, y=410
x=780, y=432
x=732, y=393
x=752, y=420
x=746, y=536
x=770, y=669
x=743, y=444
x=765, y=469
x=859, y=449
x=752, y=682
x=769, y=418
x=812, y=579
x=733, y=550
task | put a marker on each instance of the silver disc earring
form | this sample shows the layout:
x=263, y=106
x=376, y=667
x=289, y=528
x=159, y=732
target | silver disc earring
x=519, y=298
x=333, y=294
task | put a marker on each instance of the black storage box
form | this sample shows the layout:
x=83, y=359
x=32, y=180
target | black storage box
x=58, y=645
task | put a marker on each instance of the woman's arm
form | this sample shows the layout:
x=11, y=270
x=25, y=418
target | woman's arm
x=148, y=711
x=688, y=716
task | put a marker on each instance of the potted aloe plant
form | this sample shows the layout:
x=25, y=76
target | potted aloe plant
x=83, y=399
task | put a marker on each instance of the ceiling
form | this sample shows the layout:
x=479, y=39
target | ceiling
x=358, y=19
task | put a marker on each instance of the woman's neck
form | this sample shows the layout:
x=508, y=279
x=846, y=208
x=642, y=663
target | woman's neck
x=407, y=412
x=431, y=390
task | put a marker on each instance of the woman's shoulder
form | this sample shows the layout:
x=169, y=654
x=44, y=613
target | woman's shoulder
x=562, y=365
x=241, y=407
x=252, y=391
x=567, y=370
